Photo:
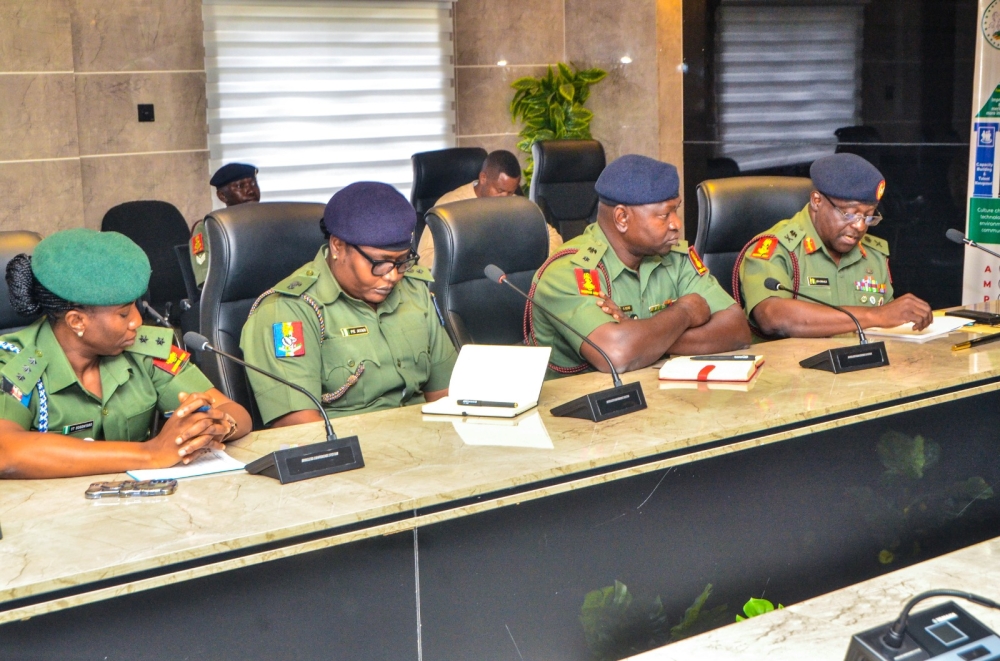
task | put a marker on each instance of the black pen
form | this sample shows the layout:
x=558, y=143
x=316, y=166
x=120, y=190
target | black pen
x=986, y=339
x=736, y=357
x=483, y=402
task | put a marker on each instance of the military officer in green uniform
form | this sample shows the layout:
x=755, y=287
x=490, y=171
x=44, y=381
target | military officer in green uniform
x=825, y=251
x=356, y=326
x=235, y=183
x=88, y=371
x=629, y=283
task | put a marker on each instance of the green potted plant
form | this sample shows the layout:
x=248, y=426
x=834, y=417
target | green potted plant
x=551, y=108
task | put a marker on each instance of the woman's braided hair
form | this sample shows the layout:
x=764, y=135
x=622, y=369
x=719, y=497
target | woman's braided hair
x=28, y=297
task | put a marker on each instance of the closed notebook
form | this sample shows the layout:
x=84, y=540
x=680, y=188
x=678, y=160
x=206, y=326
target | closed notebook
x=703, y=368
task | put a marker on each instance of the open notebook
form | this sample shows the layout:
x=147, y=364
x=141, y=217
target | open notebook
x=493, y=381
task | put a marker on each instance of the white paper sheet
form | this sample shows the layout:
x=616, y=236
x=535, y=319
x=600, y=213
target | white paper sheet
x=940, y=327
x=215, y=461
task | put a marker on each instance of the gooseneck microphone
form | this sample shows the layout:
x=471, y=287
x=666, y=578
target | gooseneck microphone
x=157, y=317
x=496, y=274
x=773, y=285
x=958, y=237
x=201, y=343
x=596, y=406
x=840, y=359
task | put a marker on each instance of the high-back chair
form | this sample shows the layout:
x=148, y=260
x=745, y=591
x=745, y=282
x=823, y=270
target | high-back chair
x=732, y=211
x=509, y=232
x=254, y=246
x=563, y=183
x=13, y=243
x=438, y=172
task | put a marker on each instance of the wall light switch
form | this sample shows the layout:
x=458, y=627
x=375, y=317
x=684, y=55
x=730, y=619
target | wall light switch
x=146, y=112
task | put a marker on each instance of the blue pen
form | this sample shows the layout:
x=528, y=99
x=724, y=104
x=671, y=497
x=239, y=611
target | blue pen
x=436, y=308
x=201, y=410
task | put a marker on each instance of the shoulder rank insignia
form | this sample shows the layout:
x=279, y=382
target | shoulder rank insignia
x=153, y=341
x=297, y=283
x=289, y=341
x=765, y=248
x=681, y=247
x=418, y=272
x=588, y=281
x=876, y=243
x=174, y=362
x=198, y=244
x=696, y=262
x=809, y=245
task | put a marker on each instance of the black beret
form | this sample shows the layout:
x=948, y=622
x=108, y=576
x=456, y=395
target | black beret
x=847, y=177
x=634, y=179
x=369, y=213
x=231, y=172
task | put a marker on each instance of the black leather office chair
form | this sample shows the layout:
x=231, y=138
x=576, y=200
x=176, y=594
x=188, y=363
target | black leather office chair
x=438, y=172
x=254, y=246
x=469, y=235
x=563, y=183
x=156, y=227
x=13, y=243
x=733, y=211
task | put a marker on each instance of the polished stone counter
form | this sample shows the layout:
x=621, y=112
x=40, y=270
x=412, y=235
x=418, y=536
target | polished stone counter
x=54, y=539
x=820, y=629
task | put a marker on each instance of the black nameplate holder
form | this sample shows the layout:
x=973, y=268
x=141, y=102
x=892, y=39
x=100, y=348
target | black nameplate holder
x=605, y=404
x=849, y=359
x=308, y=461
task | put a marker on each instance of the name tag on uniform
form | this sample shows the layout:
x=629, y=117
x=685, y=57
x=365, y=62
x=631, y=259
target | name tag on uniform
x=354, y=330
x=80, y=426
x=819, y=282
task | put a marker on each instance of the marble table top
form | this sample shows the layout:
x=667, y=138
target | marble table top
x=820, y=629
x=53, y=538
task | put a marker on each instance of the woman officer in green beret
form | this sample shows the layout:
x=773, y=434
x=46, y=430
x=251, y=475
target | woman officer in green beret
x=87, y=370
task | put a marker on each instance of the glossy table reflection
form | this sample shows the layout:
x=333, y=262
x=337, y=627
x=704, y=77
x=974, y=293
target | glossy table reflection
x=431, y=513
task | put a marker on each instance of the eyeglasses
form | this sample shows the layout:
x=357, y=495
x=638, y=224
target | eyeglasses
x=382, y=267
x=852, y=218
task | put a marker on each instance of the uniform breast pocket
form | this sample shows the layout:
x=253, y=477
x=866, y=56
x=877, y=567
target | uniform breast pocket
x=418, y=350
x=818, y=286
x=341, y=358
x=139, y=426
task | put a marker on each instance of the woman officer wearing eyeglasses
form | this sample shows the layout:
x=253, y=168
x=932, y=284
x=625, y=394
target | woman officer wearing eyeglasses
x=825, y=252
x=357, y=325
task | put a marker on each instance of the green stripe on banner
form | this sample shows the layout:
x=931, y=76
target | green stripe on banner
x=984, y=220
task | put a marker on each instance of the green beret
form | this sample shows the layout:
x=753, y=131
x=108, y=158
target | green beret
x=91, y=268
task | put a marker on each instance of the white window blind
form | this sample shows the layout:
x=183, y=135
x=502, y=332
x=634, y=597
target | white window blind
x=787, y=76
x=319, y=94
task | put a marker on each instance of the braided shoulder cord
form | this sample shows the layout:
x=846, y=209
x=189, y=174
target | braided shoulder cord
x=308, y=300
x=796, y=276
x=529, y=322
x=331, y=397
x=43, y=397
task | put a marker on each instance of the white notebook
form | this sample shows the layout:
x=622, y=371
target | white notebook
x=940, y=327
x=723, y=368
x=493, y=381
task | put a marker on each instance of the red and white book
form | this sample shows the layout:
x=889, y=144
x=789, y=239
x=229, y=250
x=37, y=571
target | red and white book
x=735, y=368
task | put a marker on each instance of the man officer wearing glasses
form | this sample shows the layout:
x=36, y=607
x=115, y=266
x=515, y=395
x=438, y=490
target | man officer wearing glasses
x=356, y=326
x=825, y=251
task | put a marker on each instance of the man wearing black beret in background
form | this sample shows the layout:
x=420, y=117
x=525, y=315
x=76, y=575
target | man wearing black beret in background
x=235, y=183
x=825, y=251
x=630, y=284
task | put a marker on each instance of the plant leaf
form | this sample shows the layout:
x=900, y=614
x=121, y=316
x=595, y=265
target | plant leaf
x=756, y=607
x=592, y=76
x=566, y=73
x=525, y=84
x=567, y=91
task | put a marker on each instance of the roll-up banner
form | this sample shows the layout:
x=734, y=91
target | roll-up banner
x=982, y=272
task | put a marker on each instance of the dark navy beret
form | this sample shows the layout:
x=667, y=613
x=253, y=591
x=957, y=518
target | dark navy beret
x=231, y=172
x=847, y=177
x=635, y=180
x=369, y=213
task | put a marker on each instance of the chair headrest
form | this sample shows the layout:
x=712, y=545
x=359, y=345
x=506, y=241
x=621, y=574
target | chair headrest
x=564, y=161
x=442, y=171
x=255, y=245
x=507, y=231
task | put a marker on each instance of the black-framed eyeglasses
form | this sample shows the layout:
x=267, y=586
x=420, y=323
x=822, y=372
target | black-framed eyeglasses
x=382, y=267
x=851, y=218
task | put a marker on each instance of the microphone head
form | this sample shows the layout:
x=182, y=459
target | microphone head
x=770, y=283
x=494, y=273
x=195, y=341
x=955, y=235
